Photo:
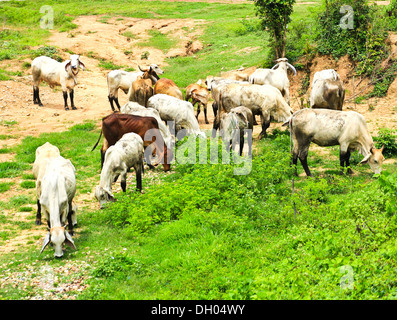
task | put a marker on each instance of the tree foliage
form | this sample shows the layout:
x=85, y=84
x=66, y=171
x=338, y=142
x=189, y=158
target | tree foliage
x=275, y=16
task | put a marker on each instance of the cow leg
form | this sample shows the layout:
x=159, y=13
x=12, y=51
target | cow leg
x=241, y=143
x=265, y=125
x=70, y=222
x=214, y=109
x=36, y=96
x=198, y=111
x=138, y=172
x=344, y=160
x=123, y=182
x=38, y=214
x=205, y=114
x=71, y=95
x=116, y=100
x=111, y=103
x=65, y=98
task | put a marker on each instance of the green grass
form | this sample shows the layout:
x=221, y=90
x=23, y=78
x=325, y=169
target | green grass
x=159, y=41
x=5, y=186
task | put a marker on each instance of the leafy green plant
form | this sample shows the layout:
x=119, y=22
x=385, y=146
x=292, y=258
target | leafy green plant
x=387, y=137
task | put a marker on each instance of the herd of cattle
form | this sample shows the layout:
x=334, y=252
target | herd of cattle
x=147, y=126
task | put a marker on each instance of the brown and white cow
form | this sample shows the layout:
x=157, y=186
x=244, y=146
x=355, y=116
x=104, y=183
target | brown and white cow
x=199, y=96
x=324, y=127
x=115, y=125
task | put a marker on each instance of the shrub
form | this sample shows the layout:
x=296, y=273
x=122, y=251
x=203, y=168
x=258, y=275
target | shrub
x=387, y=137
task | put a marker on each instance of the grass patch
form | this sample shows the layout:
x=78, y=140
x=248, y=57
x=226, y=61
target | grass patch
x=109, y=65
x=158, y=40
x=28, y=184
x=5, y=186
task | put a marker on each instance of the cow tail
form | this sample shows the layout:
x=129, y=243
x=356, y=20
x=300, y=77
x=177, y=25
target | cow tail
x=100, y=135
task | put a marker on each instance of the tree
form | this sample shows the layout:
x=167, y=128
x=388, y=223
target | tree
x=275, y=16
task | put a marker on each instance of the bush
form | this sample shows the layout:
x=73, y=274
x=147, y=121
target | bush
x=387, y=137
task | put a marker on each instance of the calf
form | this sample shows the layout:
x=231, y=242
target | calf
x=347, y=129
x=114, y=126
x=233, y=126
x=125, y=154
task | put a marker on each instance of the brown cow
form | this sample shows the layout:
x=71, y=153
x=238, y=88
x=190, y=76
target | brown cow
x=167, y=86
x=115, y=125
x=140, y=91
x=199, y=95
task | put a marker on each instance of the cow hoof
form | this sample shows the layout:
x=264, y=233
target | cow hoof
x=67, y=108
x=74, y=108
x=40, y=104
x=38, y=222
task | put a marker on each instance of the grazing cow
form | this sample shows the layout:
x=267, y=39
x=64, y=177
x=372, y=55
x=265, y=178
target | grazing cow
x=199, y=96
x=56, y=73
x=180, y=113
x=125, y=154
x=44, y=154
x=233, y=125
x=119, y=79
x=264, y=100
x=115, y=125
x=58, y=188
x=140, y=91
x=324, y=127
x=167, y=86
x=327, y=94
x=276, y=76
x=138, y=110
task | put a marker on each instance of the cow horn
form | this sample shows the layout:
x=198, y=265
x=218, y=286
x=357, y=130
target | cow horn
x=275, y=66
x=141, y=68
x=46, y=241
x=291, y=67
x=69, y=241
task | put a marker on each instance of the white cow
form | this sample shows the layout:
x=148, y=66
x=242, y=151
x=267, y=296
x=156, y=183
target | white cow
x=125, y=154
x=325, y=127
x=264, y=100
x=44, y=154
x=56, y=73
x=276, y=76
x=180, y=112
x=58, y=188
x=330, y=74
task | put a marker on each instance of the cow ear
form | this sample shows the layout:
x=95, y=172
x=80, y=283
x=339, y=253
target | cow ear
x=69, y=241
x=46, y=241
x=67, y=65
x=365, y=160
x=82, y=65
x=381, y=149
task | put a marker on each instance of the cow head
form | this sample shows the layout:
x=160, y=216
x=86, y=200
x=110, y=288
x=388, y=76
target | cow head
x=151, y=73
x=73, y=64
x=58, y=236
x=375, y=159
x=284, y=62
x=103, y=195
